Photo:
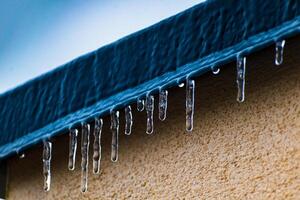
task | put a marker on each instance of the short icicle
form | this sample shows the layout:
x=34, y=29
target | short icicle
x=240, y=79
x=215, y=70
x=97, y=145
x=163, y=104
x=140, y=104
x=85, y=141
x=189, y=104
x=149, y=110
x=47, y=150
x=279, y=52
x=128, y=120
x=73, y=133
x=181, y=85
x=114, y=115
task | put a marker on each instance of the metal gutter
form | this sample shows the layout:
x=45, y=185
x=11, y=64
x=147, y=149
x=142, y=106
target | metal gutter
x=185, y=45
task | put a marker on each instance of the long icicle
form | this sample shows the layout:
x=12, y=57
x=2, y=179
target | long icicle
x=149, y=110
x=189, y=104
x=128, y=120
x=85, y=141
x=163, y=104
x=97, y=145
x=115, y=135
x=240, y=79
x=279, y=52
x=47, y=150
x=73, y=133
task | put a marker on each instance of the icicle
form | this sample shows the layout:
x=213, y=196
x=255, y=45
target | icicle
x=189, y=104
x=85, y=141
x=97, y=145
x=72, y=148
x=47, y=164
x=215, y=70
x=115, y=135
x=163, y=104
x=149, y=110
x=181, y=85
x=279, y=52
x=128, y=120
x=241, y=70
x=140, y=105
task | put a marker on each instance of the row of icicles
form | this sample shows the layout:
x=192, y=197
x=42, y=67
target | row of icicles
x=148, y=105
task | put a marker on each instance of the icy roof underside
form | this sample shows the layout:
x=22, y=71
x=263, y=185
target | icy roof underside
x=187, y=44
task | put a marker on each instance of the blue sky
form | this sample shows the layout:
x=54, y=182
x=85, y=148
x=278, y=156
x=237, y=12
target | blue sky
x=39, y=35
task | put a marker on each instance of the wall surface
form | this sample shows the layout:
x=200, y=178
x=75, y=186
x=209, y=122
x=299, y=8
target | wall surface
x=236, y=151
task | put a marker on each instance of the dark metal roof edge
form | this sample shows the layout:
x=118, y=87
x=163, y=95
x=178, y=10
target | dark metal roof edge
x=121, y=97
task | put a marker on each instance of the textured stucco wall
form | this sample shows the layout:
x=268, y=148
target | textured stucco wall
x=236, y=151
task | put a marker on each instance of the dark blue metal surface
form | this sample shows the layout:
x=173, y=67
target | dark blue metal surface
x=187, y=44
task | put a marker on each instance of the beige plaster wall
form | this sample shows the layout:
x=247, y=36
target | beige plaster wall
x=236, y=151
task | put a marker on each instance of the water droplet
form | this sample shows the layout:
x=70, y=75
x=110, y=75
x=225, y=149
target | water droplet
x=181, y=85
x=97, y=145
x=149, y=110
x=85, y=142
x=47, y=149
x=215, y=70
x=72, y=148
x=128, y=120
x=279, y=52
x=22, y=155
x=140, y=104
x=115, y=135
x=240, y=79
x=163, y=104
x=189, y=104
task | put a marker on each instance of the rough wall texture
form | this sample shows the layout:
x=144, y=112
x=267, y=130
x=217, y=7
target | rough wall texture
x=236, y=151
